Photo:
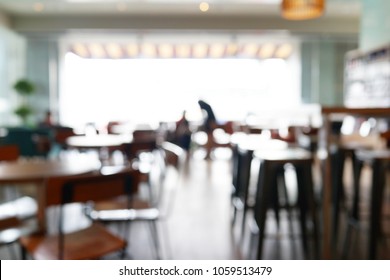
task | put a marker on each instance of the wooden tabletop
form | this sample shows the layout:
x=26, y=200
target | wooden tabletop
x=98, y=141
x=254, y=142
x=38, y=170
x=33, y=170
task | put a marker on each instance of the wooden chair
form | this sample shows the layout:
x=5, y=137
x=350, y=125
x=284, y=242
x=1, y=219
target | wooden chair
x=14, y=221
x=92, y=242
x=145, y=210
x=9, y=152
x=140, y=135
x=134, y=149
x=61, y=133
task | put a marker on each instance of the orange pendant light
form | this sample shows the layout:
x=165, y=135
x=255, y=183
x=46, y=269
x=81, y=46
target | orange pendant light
x=302, y=9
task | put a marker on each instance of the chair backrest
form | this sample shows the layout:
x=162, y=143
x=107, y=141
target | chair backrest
x=88, y=188
x=9, y=152
x=61, y=133
x=173, y=155
x=144, y=135
x=173, y=160
x=133, y=149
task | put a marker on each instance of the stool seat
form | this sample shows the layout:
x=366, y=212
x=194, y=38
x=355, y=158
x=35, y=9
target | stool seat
x=289, y=155
x=369, y=155
x=271, y=162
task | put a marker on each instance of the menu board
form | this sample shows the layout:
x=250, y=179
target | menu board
x=367, y=78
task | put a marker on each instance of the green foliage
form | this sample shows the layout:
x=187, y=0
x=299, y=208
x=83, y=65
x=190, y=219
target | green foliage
x=23, y=111
x=24, y=87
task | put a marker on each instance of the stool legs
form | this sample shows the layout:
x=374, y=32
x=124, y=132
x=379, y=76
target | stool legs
x=377, y=188
x=376, y=204
x=266, y=190
x=353, y=218
x=262, y=201
x=247, y=164
x=337, y=172
x=306, y=203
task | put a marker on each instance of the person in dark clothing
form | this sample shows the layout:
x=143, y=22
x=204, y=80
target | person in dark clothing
x=183, y=133
x=209, y=125
x=210, y=120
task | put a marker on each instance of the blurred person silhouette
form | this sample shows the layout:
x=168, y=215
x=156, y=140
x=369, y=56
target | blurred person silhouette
x=209, y=124
x=210, y=119
x=47, y=121
x=183, y=133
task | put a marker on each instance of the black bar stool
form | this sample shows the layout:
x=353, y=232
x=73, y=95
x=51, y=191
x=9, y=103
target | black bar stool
x=242, y=162
x=378, y=160
x=339, y=154
x=271, y=163
x=242, y=165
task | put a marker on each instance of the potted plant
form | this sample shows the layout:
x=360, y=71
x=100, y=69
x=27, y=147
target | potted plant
x=24, y=88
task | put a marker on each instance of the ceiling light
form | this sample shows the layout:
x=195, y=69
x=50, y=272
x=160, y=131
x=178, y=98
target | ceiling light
x=302, y=9
x=267, y=51
x=199, y=50
x=232, y=49
x=217, y=50
x=149, y=50
x=80, y=50
x=97, y=50
x=284, y=51
x=114, y=50
x=204, y=6
x=183, y=51
x=121, y=7
x=250, y=49
x=38, y=7
x=165, y=51
x=132, y=50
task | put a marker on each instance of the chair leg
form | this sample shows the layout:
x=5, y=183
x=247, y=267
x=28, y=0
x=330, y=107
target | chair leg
x=353, y=216
x=234, y=213
x=302, y=205
x=246, y=163
x=23, y=253
x=306, y=202
x=309, y=190
x=155, y=238
x=337, y=185
x=11, y=251
x=262, y=202
x=378, y=182
x=275, y=195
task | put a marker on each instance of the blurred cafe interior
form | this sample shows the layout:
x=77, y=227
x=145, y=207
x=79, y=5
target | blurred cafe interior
x=220, y=130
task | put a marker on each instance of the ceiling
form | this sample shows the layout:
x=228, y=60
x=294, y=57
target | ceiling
x=341, y=17
x=334, y=8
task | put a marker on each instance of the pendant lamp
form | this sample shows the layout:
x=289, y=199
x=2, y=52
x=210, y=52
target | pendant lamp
x=302, y=9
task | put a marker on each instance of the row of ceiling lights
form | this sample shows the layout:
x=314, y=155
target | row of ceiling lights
x=199, y=50
x=121, y=7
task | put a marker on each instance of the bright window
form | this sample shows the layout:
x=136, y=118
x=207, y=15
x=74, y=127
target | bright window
x=153, y=90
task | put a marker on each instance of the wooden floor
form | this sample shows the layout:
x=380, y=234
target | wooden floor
x=199, y=226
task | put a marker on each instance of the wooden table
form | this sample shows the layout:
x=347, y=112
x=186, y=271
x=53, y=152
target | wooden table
x=103, y=143
x=36, y=171
x=325, y=141
x=98, y=141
